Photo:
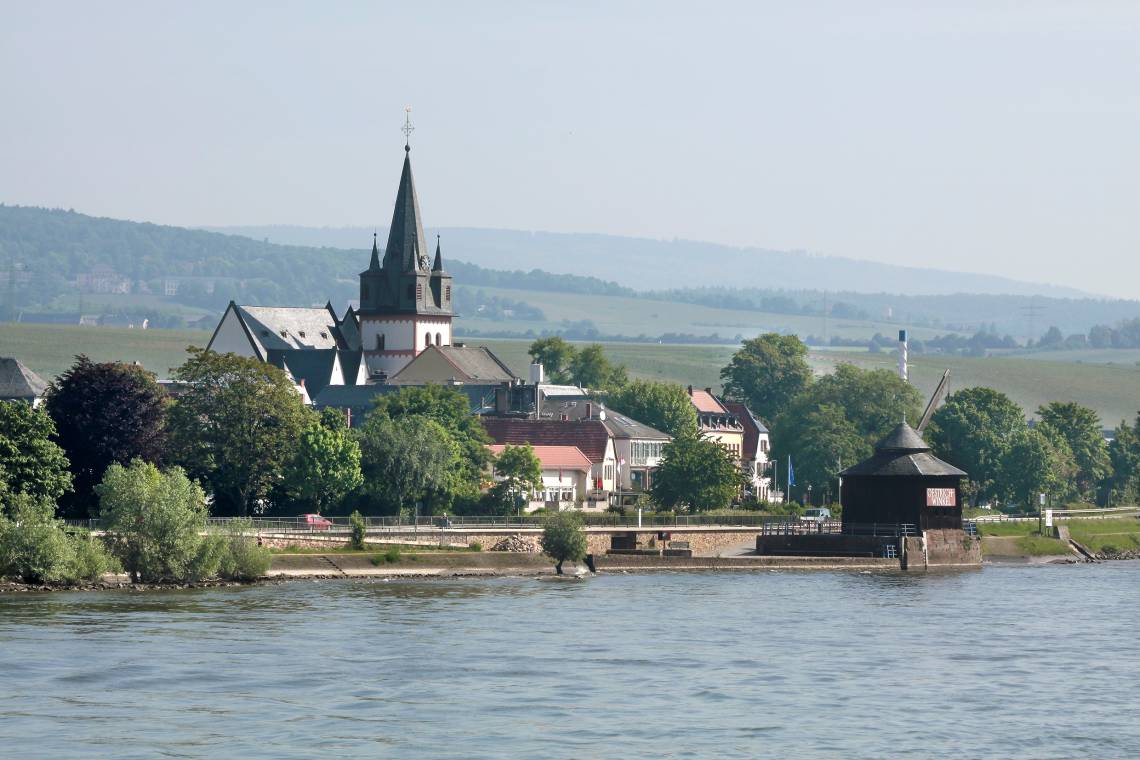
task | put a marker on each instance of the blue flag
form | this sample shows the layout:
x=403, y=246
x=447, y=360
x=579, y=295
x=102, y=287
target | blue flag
x=791, y=473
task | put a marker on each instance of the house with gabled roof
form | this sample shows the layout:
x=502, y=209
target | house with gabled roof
x=716, y=422
x=638, y=448
x=754, y=454
x=590, y=436
x=18, y=383
x=565, y=476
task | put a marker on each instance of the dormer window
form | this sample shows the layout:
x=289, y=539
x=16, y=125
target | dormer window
x=302, y=333
x=324, y=334
x=284, y=334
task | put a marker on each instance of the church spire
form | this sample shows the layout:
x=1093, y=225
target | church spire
x=375, y=263
x=438, y=265
x=407, y=249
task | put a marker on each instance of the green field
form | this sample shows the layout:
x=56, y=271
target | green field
x=1112, y=390
x=619, y=315
x=50, y=349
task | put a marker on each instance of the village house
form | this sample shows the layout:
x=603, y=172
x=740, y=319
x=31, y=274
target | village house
x=754, y=454
x=565, y=477
x=716, y=423
x=589, y=436
x=638, y=448
x=18, y=383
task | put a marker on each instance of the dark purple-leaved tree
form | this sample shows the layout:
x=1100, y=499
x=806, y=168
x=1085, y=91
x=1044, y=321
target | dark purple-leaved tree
x=104, y=413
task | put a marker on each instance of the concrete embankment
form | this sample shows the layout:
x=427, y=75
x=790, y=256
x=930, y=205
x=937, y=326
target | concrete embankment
x=430, y=564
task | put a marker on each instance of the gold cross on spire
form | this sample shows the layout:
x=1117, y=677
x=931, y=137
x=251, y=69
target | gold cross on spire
x=407, y=129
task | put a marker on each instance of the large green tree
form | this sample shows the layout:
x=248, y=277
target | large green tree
x=563, y=539
x=1124, y=454
x=236, y=426
x=1081, y=429
x=326, y=466
x=766, y=373
x=104, y=413
x=696, y=474
x=408, y=460
x=821, y=441
x=555, y=355
x=520, y=474
x=30, y=461
x=1038, y=461
x=838, y=419
x=665, y=406
x=591, y=368
x=974, y=431
x=452, y=410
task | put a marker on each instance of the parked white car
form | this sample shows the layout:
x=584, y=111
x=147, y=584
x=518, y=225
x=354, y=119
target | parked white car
x=816, y=515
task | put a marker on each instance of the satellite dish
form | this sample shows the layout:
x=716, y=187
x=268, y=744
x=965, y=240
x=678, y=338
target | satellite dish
x=602, y=412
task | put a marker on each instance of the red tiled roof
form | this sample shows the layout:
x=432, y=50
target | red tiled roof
x=706, y=402
x=590, y=436
x=554, y=457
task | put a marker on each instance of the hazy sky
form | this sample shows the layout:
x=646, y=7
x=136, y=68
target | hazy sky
x=989, y=136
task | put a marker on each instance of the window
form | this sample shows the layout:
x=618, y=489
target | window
x=302, y=333
x=609, y=472
x=380, y=342
x=427, y=339
x=448, y=292
x=438, y=339
x=419, y=291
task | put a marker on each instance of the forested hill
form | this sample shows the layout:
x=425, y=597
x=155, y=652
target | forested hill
x=54, y=260
x=646, y=264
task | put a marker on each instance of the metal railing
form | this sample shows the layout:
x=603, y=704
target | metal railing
x=835, y=527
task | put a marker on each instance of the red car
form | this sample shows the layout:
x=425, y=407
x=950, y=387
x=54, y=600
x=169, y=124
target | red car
x=316, y=522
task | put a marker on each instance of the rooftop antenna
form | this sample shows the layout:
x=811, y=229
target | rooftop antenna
x=407, y=129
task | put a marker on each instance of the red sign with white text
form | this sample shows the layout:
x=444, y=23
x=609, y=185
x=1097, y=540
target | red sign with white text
x=941, y=497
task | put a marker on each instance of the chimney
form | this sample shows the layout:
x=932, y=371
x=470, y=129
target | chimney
x=904, y=370
x=690, y=390
x=501, y=399
x=589, y=411
x=536, y=373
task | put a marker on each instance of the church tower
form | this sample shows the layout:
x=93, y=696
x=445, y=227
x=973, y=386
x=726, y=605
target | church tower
x=405, y=299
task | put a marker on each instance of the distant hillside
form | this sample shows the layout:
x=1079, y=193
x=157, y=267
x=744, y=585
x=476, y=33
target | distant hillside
x=65, y=262
x=646, y=264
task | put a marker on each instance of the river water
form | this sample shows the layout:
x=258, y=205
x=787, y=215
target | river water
x=1007, y=662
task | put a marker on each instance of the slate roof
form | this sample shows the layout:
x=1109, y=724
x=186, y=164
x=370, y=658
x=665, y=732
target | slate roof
x=290, y=327
x=591, y=436
x=621, y=426
x=554, y=457
x=903, y=453
x=19, y=382
x=359, y=398
x=752, y=428
x=471, y=364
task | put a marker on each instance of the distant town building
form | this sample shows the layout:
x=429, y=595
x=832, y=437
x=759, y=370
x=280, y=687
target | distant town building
x=638, y=448
x=565, y=477
x=754, y=451
x=717, y=423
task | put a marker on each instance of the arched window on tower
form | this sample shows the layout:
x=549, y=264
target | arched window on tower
x=427, y=339
x=380, y=342
x=438, y=339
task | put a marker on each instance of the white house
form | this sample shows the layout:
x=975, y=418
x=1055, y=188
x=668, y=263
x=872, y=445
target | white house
x=565, y=473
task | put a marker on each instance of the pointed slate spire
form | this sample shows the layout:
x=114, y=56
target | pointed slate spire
x=438, y=265
x=407, y=248
x=375, y=263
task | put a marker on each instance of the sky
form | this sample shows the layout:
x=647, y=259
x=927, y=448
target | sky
x=995, y=137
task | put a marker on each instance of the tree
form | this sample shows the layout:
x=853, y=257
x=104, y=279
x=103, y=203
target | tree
x=590, y=368
x=33, y=546
x=766, y=373
x=555, y=355
x=665, y=406
x=520, y=470
x=407, y=460
x=974, y=431
x=30, y=462
x=236, y=427
x=820, y=440
x=326, y=466
x=563, y=539
x=452, y=411
x=697, y=474
x=1081, y=430
x=105, y=413
x=838, y=419
x=1124, y=454
x=154, y=520
x=1037, y=461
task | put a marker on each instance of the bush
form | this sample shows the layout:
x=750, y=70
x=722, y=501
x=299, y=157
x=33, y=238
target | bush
x=563, y=539
x=241, y=558
x=475, y=546
x=33, y=544
x=92, y=560
x=392, y=555
x=154, y=520
x=359, y=531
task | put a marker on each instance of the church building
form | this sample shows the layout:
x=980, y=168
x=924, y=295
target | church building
x=405, y=309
